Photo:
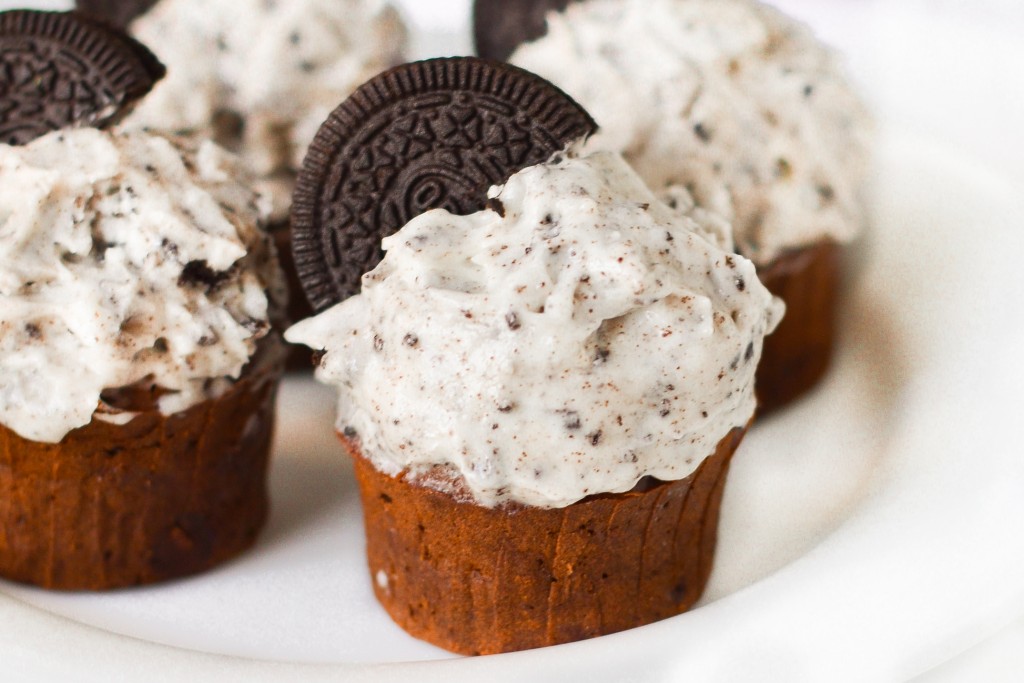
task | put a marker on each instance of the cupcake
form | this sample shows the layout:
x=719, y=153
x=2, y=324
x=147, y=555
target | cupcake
x=259, y=78
x=137, y=289
x=541, y=398
x=740, y=105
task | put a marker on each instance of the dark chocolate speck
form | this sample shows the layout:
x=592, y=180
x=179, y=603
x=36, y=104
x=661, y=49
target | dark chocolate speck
x=199, y=273
x=495, y=205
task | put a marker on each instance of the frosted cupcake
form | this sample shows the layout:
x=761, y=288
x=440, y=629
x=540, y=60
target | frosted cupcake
x=138, y=369
x=747, y=110
x=541, y=401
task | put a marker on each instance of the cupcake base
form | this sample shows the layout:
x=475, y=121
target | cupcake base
x=477, y=580
x=157, y=498
x=798, y=354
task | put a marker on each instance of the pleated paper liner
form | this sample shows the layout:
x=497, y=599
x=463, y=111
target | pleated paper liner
x=157, y=498
x=478, y=580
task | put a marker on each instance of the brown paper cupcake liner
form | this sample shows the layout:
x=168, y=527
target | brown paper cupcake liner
x=477, y=580
x=798, y=354
x=157, y=498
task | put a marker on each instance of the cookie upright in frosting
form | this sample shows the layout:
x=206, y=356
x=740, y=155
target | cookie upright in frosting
x=545, y=390
x=427, y=135
x=58, y=70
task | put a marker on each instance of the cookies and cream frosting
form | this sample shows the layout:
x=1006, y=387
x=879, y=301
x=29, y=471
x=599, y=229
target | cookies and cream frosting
x=260, y=76
x=125, y=258
x=730, y=98
x=575, y=338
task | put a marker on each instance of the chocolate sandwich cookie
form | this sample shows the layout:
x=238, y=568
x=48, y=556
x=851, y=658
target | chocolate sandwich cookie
x=63, y=70
x=118, y=13
x=428, y=135
x=500, y=26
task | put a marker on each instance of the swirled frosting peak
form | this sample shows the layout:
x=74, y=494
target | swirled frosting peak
x=571, y=340
x=260, y=76
x=729, y=98
x=125, y=258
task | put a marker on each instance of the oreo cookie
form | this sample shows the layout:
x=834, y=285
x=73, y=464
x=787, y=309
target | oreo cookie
x=118, y=13
x=427, y=135
x=62, y=70
x=500, y=26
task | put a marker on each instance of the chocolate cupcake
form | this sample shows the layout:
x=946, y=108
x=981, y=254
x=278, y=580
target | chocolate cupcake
x=541, y=398
x=743, y=107
x=139, y=370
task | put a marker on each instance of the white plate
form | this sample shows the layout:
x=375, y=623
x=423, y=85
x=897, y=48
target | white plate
x=869, y=533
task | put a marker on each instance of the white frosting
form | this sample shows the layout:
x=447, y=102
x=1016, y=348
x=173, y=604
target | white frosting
x=588, y=338
x=729, y=98
x=281, y=66
x=100, y=237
